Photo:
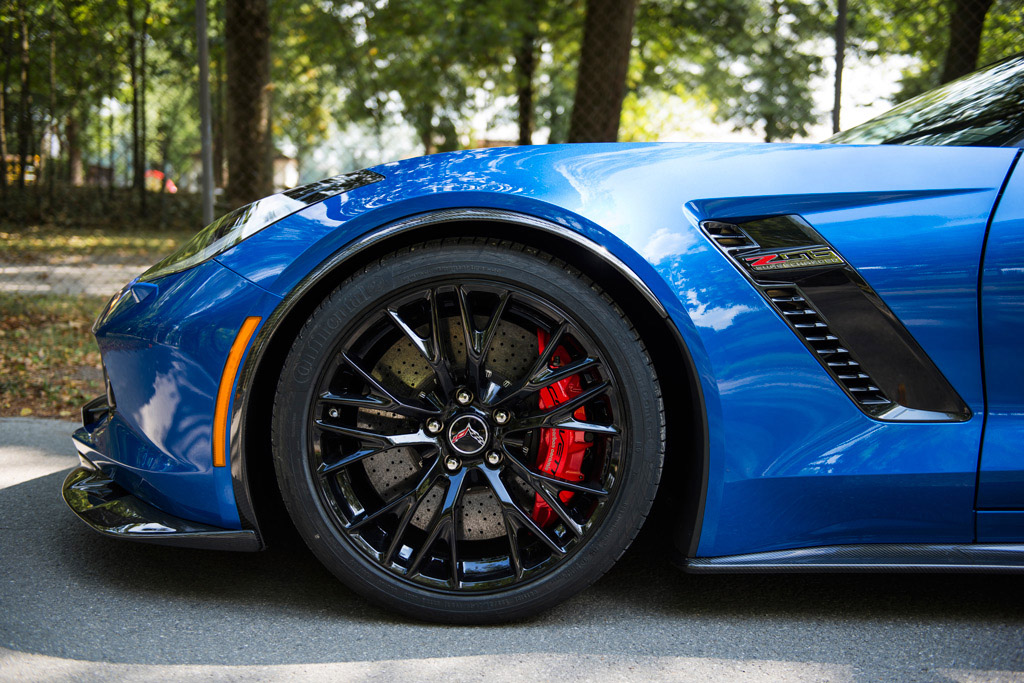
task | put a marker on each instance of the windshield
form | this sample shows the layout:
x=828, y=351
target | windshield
x=985, y=108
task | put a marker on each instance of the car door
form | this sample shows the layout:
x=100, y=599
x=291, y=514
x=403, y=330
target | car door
x=1000, y=497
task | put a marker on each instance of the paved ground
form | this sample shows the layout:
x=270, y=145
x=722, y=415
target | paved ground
x=77, y=606
x=90, y=278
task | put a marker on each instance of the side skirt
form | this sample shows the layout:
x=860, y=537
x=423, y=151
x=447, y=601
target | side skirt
x=880, y=557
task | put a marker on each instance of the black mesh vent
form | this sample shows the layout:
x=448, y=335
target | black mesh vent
x=809, y=324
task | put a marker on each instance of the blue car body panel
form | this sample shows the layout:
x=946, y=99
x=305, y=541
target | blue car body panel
x=792, y=460
x=164, y=357
x=1001, y=479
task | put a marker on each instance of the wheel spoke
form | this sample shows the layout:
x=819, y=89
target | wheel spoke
x=434, y=534
x=413, y=500
x=327, y=469
x=366, y=518
x=550, y=376
x=522, y=388
x=361, y=434
x=478, y=342
x=555, y=503
x=445, y=516
x=577, y=426
x=414, y=439
x=544, y=359
x=536, y=479
x=406, y=502
x=560, y=417
x=510, y=507
x=512, y=533
x=453, y=553
x=355, y=400
x=430, y=347
x=382, y=442
x=570, y=406
x=384, y=399
x=441, y=365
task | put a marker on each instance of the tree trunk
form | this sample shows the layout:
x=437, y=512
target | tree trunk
x=165, y=150
x=72, y=128
x=526, y=65
x=769, y=128
x=113, y=138
x=247, y=44
x=840, y=58
x=966, y=22
x=138, y=174
x=53, y=106
x=268, y=149
x=776, y=13
x=142, y=105
x=24, y=113
x=427, y=140
x=218, y=126
x=3, y=109
x=601, y=78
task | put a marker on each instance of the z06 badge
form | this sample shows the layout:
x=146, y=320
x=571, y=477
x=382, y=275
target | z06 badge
x=806, y=257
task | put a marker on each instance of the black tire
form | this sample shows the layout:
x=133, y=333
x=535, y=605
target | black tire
x=372, y=485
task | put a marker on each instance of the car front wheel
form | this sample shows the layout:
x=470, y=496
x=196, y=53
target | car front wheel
x=468, y=431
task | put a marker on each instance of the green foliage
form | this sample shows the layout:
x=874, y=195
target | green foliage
x=920, y=29
x=751, y=60
x=405, y=61
x=427, y=68
x=1004, y=31
x=768, y=83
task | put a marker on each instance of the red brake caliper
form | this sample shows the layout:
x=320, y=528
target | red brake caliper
x=561, y=450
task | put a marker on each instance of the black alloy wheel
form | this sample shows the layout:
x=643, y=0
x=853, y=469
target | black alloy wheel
x=468, y=431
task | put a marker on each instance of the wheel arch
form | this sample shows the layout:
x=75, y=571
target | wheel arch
x=680, y=500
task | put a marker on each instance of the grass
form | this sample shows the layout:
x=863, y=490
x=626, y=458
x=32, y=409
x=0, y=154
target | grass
x=49, y=358
x=49, y=361
x=49, y=244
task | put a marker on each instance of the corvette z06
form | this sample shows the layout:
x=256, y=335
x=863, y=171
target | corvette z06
x=467, y=377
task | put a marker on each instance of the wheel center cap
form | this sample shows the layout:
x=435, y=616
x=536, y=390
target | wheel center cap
x=468, y=434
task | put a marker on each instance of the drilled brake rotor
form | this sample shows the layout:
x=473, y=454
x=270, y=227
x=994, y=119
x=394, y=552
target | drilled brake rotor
x=391, y=472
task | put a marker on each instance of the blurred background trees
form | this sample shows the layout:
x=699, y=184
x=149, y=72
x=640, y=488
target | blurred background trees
x=102, y=94
x=100, y=127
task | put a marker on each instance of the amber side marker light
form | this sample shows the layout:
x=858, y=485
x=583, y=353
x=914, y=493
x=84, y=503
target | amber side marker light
x=227, y=382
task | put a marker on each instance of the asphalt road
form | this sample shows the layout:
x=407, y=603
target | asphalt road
x=74, y=605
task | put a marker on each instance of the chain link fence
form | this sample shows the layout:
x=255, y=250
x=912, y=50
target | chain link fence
x=94, y=193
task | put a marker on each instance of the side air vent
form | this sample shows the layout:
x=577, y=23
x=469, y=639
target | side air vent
x=841, y=320
x=728, y=236
x=830, y=351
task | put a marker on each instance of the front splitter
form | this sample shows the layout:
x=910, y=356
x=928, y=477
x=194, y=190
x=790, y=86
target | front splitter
x=110, y=510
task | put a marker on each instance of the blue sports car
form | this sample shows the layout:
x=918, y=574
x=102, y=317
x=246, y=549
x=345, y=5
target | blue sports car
x=466, y=378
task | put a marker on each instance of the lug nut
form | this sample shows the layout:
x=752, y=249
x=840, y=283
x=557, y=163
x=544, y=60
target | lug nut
x=501, y=416
x=434, y=425
x=333, y=412
x=452, y=463
x=493, y=458
x=463, y=397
